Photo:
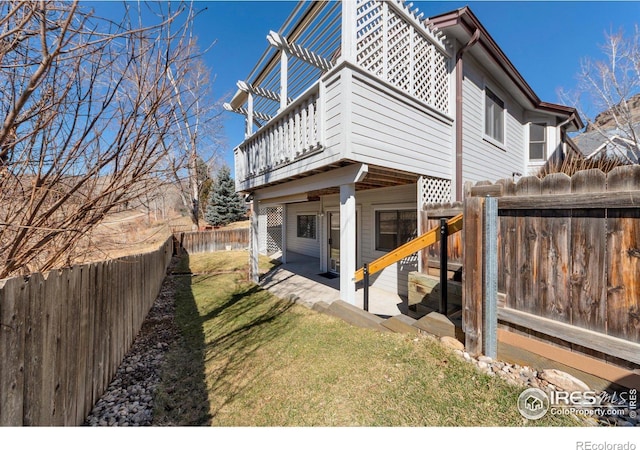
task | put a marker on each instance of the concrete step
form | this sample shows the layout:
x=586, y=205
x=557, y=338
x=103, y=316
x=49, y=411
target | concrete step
x=355, y=316
x=440, y=325
x=422, y=309
x=320, y=306
x=401, y=324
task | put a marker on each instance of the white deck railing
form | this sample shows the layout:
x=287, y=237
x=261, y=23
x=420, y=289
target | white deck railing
x=293, y=134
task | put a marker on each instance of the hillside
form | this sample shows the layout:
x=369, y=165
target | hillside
x=605, y=120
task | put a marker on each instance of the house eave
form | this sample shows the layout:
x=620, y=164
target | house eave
x=462, y=24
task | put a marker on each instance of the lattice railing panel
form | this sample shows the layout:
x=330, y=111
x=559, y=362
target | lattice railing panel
x=370, y=30
x=399, y=36
x=433, y=190
x=439, y=97
x=391, y=47
x=274, y=229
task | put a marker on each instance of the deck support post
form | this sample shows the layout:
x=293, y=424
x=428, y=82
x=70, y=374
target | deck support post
x=283, y=250
x=249, y=130
x=284, y=74
x=348, y=44
x=347, y=242
x=254, y=274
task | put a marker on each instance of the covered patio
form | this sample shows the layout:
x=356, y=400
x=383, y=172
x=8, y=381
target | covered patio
x=301, y=277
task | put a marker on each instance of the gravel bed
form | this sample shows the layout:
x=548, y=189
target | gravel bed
x=128, y=400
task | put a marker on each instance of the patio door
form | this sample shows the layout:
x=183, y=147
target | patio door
x=334, y=242
x=333, y=222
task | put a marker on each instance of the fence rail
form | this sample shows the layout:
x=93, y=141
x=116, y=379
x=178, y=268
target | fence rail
x=215, y=240
x=63, y=334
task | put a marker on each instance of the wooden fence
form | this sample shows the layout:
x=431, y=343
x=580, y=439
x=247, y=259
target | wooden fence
x=215, y=240
x=568, y=261
x=64, y=334
x=430, y=257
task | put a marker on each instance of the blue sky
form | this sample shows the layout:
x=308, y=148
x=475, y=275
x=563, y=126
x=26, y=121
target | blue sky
x=545, y=40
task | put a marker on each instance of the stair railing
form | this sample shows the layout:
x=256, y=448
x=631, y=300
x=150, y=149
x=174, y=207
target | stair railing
x=439, y=233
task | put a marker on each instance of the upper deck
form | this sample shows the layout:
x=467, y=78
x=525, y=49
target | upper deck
x=362, y=80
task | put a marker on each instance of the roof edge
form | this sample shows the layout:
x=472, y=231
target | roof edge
x=468, y=20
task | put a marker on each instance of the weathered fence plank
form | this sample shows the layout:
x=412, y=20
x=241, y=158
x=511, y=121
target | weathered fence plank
x=34, y=347
x=50, y=318
x=527, y=250
x=588, y=237
x=623, y=259
x=11, y=352
x=553, y=282
x=472, y=275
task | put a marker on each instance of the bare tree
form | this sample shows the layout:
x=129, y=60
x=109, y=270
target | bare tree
x=611, y=88
x=195, y=138
x=86, y=109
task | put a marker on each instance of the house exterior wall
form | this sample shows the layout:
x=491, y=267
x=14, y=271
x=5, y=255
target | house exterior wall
x=390, y=129
x=332, y=112
x=482, y=158
x=303, y=246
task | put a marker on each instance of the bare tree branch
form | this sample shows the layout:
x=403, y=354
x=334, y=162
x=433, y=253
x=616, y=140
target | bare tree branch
x=88, y=113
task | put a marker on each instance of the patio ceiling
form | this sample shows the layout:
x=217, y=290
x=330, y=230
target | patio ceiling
x=376, y=177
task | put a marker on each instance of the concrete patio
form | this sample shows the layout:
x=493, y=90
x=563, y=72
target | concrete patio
x=301, y=277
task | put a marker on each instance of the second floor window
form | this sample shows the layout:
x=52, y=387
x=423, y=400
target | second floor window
x=537, y=141
x=493, y=117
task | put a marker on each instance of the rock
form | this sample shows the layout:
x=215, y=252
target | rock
x=483, y=365
x=452, y=343
x=485, y=359
x=623, y=423
x=563, y=380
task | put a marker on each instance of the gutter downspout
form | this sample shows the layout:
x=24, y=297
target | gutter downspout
x=563, y=132
x=459, y=70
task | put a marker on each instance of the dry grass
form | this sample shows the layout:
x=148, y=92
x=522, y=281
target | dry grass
x=133, y=232
x=571, y=165
x=250, y=359
x=122, y=234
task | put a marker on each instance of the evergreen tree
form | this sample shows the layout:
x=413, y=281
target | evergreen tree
x=225, y=205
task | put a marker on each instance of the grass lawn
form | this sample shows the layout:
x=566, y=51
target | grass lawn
x=249, y=359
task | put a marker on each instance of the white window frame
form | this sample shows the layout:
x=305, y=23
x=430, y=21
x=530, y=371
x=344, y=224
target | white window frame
x=488, y=137
x=315, y=216
x=545, y=152
x=390, y=207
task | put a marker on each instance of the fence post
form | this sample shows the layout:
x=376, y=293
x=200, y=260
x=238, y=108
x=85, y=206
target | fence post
x=472, y=275
x=490, y=286
x=444, y=233
x=365, y=271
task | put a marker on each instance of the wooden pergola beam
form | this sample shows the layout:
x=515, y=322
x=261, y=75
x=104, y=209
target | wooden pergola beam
x=281, y=43
x=245, y=112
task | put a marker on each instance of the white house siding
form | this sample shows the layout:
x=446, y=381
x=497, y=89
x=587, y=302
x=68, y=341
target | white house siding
x=332, y=112
x=482, y=160
x=395, y=277
x=303, y=246
x=390, y=129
